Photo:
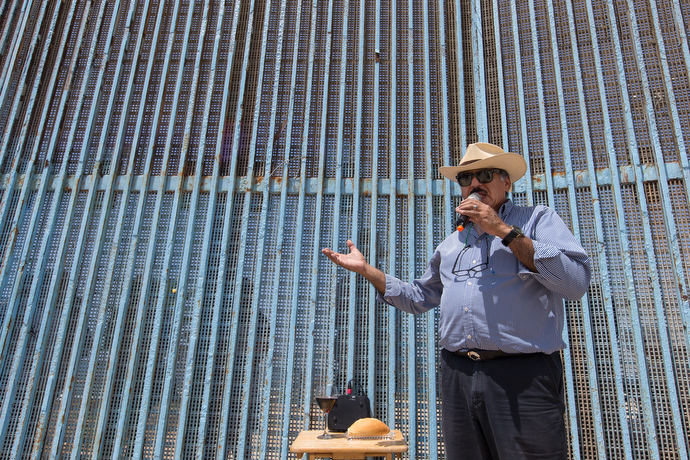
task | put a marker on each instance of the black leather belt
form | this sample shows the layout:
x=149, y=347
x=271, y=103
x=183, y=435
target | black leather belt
x=485, y=355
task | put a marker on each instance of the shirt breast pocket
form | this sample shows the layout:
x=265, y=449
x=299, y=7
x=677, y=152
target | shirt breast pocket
x=502, y=261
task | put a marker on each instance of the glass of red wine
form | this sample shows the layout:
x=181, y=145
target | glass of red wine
x=326, y=402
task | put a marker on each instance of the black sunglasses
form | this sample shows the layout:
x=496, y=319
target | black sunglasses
x=484, y=176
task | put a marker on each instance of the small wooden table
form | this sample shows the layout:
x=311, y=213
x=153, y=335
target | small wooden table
x=341, y=448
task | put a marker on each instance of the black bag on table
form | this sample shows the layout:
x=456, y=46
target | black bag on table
x=347, y=410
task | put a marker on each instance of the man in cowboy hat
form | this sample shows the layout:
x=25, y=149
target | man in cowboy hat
x=500, y=283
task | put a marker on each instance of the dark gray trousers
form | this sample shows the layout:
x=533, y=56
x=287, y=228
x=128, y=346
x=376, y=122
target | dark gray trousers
x=507, y=408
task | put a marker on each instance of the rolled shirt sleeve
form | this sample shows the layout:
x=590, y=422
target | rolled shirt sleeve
x=562, y=264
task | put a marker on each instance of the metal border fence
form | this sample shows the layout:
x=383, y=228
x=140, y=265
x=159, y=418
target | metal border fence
x=170, y=170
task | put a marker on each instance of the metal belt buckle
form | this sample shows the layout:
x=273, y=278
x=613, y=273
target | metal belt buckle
x=474, y=356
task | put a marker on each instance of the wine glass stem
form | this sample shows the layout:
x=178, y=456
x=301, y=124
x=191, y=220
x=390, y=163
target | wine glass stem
x=325, y=430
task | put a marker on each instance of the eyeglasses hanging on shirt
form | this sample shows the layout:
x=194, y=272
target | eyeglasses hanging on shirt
x=475, y=265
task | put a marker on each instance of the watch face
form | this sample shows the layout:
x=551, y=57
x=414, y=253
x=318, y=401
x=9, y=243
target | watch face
x=518, y=230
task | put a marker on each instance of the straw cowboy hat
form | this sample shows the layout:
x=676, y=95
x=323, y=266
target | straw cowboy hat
x=483, y=155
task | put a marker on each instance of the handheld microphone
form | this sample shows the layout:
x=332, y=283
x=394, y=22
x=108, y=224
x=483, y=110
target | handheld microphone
x=462, y=220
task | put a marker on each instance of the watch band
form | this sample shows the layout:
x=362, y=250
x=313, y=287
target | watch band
x=515, y=232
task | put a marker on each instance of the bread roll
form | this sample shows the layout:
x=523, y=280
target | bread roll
x=368, y=427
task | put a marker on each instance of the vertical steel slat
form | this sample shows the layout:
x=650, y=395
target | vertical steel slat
x=24, y=189
x=9, y=317
x=178, y=304
x=663, y=62
x=643, y=375
x=180, y=300
x=411, y=270
x=539, y=83
x=477, y=38
x=232, y=343
x=143, y=301
x=653, y=276
x=356, y=187
x=311, y=303
x=678, y=19
x=223, y=256
x=571, y=403
x=3, y=4
x=603, y=266
x=567, y=355
x=251, y=338
x=7, y=71
x=357, y=192
x=431, y=345
x=459, y=47
x=90, y=185
x=21, y=18
x=670, y=228
x=594, y=390
x=672, y=106
x=392, y=240
x=32, y=300
x=112, y=254
x=446, y=157
x=524, y=140
x=500, y=77
x=88, y=208
x=51, y=218
x=601, y=254
x=38, y=355
x=280, y=224
x=239, y=274
x=202, y=274
x=61, y=180
x=373, y=216
x=280, y=240
x=528, y=182
x=574, y=216
x=15, y=39
x=683, y=41
x=164, y=415
x=338, y=192
x=261, y=250
x=245, y=428
x=309, y=365
x=15, y=173
x=299, y=234
x=648, y=240
x=132, y=246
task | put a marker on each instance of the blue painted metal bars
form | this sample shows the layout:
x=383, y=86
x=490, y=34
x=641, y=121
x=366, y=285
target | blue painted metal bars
x=169, y=172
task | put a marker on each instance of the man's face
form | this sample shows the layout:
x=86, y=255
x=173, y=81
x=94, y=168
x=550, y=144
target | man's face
x=493, y=193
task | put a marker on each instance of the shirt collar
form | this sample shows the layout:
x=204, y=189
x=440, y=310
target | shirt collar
x=505, y=209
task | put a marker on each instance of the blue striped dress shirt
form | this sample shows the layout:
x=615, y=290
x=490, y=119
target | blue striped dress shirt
x=491, y=301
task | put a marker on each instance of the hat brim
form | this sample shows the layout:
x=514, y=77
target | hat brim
x=512, y=163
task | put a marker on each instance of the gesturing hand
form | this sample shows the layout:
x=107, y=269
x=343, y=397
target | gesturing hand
x=354, y=261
